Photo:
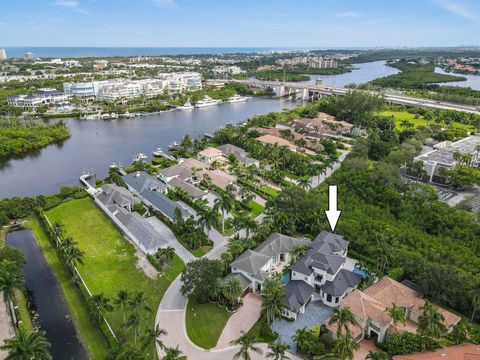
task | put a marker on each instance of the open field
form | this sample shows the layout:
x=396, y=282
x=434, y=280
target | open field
x=110, y=260
x=205, y=323
x=403, y=115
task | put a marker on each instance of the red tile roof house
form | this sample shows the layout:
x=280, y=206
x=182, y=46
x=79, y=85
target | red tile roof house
x=369, y=309
x=322, y=126
x=456, y=352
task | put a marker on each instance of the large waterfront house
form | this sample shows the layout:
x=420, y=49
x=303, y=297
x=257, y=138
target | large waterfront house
x=324, y=273
x=369, y=308
x=38, y=98
x=117, y=203
x=152, y=193
x=240, y=154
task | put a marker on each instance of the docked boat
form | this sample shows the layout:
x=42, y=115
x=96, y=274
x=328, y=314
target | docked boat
x=206, y=101
x=158, y=152
x=237, y=98
x=128, y=115
x=141, y=157
x=186, y=106
x=174, y=146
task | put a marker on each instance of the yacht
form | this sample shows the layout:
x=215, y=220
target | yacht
x=206, y=101
x=140, y=157
x=237, y=98
x=186, y=106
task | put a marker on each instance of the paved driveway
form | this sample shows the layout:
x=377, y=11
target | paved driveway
x=315, y=314
x=242, y=320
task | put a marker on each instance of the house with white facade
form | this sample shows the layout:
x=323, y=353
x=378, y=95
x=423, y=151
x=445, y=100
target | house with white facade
x=38, y=98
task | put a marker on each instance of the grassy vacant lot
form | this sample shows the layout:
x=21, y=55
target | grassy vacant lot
x=257, y=209
x=205, y=323
x=110, y=260
x=403, y=115
x=91, y=335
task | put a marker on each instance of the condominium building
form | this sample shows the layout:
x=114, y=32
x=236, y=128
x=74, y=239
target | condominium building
x=3, y=54
x=182, y=81
x=83, y=89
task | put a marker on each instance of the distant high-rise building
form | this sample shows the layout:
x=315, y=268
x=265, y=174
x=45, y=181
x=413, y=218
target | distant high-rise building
x=29, y=56
x=3, y=54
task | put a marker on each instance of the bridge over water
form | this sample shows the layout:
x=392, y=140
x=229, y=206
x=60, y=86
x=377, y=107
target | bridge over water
x=305, y=91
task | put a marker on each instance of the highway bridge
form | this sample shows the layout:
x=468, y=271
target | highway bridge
x=305, y=91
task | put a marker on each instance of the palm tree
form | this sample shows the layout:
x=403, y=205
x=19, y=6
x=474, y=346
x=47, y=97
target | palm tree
x=98, y=304
x=168, y=253
x=152, y=338
x=304, y=183
x=297, y=252
x=207, y=219
x=224, y=204
x=139, y=302
x=172, y=354
x=232, y=290
x=186, y=142
x=10, y=278
x=122, y=300
x=27, y=346
x=397, y=314
x=343, y=317
x=302, y=337
x=475, y=294
x=378, y=355
x=247, y=342
x=431, y=322
x=273, y=294
x=226, y=258
x=277, y=351
x=134, y=321
x=345, y=347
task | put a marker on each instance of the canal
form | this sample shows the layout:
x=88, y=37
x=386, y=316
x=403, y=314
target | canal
x=54, y=315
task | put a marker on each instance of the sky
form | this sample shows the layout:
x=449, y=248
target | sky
x=239, y=23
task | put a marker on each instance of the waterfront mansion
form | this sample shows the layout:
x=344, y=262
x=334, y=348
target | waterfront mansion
x=323, y=273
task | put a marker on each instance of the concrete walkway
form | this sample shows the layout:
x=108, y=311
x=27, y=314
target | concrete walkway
x=242, y=320
x=6, y=329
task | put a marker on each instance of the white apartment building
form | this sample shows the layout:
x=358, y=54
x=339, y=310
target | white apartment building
x=82, y=89
x=3, y=54
x=227, y=69
x=182, y=81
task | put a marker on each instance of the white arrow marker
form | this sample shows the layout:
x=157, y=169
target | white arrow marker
x=332, y=213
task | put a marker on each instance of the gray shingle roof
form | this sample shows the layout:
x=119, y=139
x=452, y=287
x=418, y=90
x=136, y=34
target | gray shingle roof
x=164, y=204
x=143, y=231
x=113, y=194
x=250, y=261
x=232, y=149
x=141, y=181
x=176, y=170
x=297, y=294
x=188, y=188
x=329, y=242
x=277, y=243
x=345, y=279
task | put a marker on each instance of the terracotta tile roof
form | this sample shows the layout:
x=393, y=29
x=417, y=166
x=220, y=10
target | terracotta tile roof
x=210, y=153
x=365, y=307
x=457, y=352
x=355, y=329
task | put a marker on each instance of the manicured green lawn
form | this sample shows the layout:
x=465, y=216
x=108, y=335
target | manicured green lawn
x=403, y=115
x=202, y=250
x=91, y=335
x=257, y=209
x=110, y=260
x=255, y=331
x=205, y=323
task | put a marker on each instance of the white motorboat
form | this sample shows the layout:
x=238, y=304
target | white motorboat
x=237, y=98
x=158, y=152
x=206, y=101
x=174, y=146
x=140, y=157
x=186, y=106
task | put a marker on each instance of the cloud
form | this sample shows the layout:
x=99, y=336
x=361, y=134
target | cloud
x=351, y=14
x=70, y=4
x=166, y=4
x=458, y=9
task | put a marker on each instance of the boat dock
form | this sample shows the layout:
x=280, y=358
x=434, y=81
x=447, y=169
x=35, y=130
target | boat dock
x=84, y=180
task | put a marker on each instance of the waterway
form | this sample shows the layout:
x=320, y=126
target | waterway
x=362, y=73
x=96, y=144
x=473, y=81
x=54, y=315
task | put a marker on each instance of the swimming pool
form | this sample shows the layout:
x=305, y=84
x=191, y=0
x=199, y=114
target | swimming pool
x=286, y=277
x=361, y=272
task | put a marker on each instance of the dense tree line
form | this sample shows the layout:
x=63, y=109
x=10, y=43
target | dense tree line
x=17, y=136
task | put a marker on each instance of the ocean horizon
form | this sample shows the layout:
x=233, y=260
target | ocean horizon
x=77, y=52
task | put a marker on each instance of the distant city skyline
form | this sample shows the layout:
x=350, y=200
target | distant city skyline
x=247, y=23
